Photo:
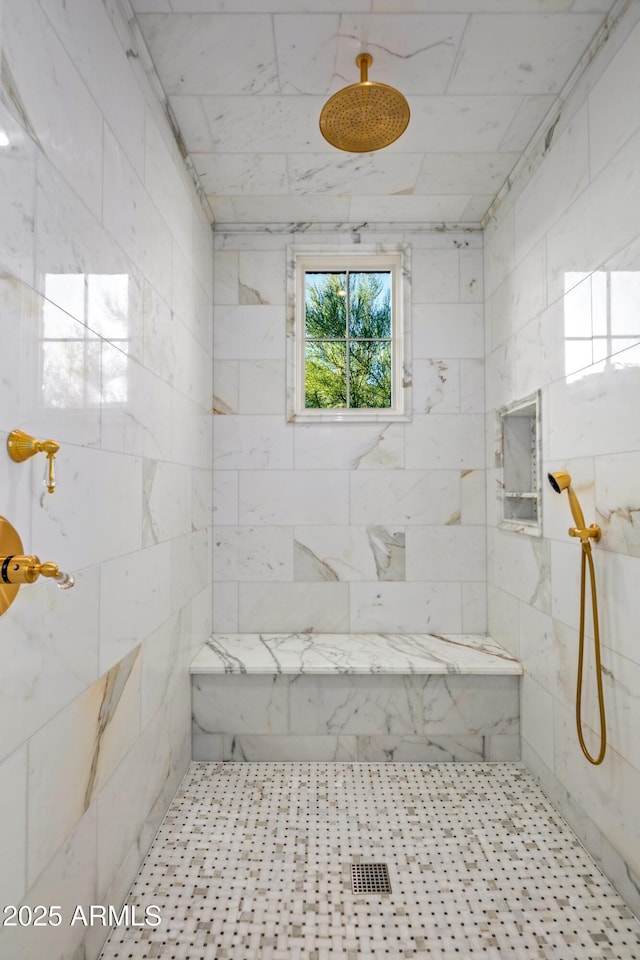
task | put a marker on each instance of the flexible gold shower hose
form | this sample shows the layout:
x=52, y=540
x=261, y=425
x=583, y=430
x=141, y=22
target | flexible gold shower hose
x=586, y=557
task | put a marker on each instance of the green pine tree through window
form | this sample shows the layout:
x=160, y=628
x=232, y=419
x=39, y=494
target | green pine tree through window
x=348, y=336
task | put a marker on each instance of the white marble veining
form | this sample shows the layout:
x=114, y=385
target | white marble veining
x=360, y=697
x=479, y=79
x=561, y=272
x=106, y=324
x=352, y=491
x=353, y=653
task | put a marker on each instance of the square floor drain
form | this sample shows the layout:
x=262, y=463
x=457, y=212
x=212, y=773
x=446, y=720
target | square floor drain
x=370, y=878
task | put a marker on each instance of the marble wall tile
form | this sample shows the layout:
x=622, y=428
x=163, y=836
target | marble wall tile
x=349, y=446
x=133, y=422
x=617, y=579
x=253, y=553
x=252, y=443
x=454, y=553
x=327, y=749
x=371, y=717
x=471, y=276
x=67, y=881
x=225, y=497
x=521, y=567
x=75, y=753
x=599, y=223
x=132, y=218
x=357, y=705
x=436, y=386
x=554, y=186
x=60, y=522
x=549, y=254
x=261, y=279
x=503, y=618
x=163, y=657
x=537, y=706
x=419, y=749
x=293, y=607
x=610, y=114
x=166, y=183
x=191, y=282
x=189, y=567
x=540, y=645
x=610, y=798
x=473, y=494
x=472, y=387
x=294, y=497
x=405, y=497
x=208, y=747
x=539, y=348
x=331, y=552
x=13, y=828
x=346, y=478
x=499, y=250
x=226, y=284
x=46, y=668
x=261, y=387
x=132, y=803
x=104, y=67
x=242, y=704
x=23, y=389
x=249, y=332
x=445, y=442
x=201, y=498
x=136, y=613
x=406, y=607
x=617, y=503
x=474, y=607
x=18, y=192
x=479, y=705
x=448, y=330
x=520, y=298
x=225, y=387
x=159, y=343
x=435, y=276
x=225, y=608
x=45, y=79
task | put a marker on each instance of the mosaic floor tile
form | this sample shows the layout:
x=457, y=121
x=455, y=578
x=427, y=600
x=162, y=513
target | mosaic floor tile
x=253, y=862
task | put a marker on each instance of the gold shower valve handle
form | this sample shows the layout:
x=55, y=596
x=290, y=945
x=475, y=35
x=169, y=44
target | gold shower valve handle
x=20, y=569
x=21, y=446
x=592, y=532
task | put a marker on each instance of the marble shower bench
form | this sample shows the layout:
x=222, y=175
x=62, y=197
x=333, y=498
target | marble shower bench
x=346, y=697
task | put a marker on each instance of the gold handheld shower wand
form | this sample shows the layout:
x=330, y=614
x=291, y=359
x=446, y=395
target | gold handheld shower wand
x=560, y=482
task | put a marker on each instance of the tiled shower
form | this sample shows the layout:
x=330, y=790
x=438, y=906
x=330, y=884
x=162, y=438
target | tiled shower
x=116, y=335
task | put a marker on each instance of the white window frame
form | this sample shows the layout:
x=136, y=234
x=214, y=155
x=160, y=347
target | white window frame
x=367, y=259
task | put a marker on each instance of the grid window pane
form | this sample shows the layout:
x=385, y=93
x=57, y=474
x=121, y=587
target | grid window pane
x=370, y=304
x=370, y=374
x=348, y=345
x=326, y=374
x=325, y=299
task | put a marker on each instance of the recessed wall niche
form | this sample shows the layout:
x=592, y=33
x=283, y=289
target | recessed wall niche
x=518, y=455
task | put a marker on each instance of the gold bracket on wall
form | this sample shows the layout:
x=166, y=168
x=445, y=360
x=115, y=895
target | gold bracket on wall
x=21, y=446
x=16, y=568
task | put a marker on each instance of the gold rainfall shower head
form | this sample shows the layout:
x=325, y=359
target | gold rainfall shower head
x=364, y=116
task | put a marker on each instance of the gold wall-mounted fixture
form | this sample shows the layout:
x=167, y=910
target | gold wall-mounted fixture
x=364, y=116
x=16, y=568
x=21, y=446
x=560, y=482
